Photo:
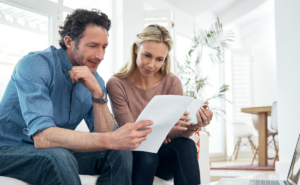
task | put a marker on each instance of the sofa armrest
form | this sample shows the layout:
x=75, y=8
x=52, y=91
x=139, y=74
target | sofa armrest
x=204, y=158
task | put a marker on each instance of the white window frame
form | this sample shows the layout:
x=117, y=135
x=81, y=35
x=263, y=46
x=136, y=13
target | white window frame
x=47, y=8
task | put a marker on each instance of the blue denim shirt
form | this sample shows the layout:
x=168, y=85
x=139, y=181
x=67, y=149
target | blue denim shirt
x=40, y=95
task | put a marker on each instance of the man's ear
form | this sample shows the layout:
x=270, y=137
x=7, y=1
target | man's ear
x=68, y=41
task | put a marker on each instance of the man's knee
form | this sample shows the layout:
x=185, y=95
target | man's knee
x=121, y=159
x=61, y=158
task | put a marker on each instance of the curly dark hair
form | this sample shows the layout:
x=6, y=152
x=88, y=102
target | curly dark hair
x=76, y=22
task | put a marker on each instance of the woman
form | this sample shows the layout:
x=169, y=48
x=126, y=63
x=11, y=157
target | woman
x=146, y=74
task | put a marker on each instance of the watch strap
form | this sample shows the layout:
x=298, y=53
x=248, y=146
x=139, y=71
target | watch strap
x=100, y=100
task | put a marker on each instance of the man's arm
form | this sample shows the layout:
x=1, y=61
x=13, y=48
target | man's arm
x=126, y=138
x=103, y=120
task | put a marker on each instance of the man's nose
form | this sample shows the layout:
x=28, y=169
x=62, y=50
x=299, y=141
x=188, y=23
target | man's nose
x=100, y=54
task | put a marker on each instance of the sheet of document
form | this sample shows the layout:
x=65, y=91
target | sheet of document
x=164, y=111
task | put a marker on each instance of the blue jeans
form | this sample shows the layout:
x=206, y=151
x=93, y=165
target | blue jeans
x=60, y=166
x=176, y=159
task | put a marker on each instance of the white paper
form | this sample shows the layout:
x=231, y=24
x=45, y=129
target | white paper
x=164, y=111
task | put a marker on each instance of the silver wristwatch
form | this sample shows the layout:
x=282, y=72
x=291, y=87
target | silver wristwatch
x=100, y=100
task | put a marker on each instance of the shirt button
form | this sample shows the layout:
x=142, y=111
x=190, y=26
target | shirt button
x=72, y=109
x=67, y=74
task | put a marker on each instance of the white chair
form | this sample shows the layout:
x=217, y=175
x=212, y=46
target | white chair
x=242, y=130
x=91, y=180
x=273, y=131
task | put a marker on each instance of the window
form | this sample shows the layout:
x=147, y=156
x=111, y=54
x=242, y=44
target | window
x=242, y=84
x=22, y=31
x=164, y=18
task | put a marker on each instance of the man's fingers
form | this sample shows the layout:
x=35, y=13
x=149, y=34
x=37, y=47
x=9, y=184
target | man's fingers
x=145, y=132
x=141, y=139
x=71, y=74
x=143, y=124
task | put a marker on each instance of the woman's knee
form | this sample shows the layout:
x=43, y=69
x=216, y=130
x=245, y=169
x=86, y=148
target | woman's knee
x=185, y=144
x=145, y=159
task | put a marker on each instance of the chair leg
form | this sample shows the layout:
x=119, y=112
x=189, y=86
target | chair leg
x=253, y=150
x=256, y=151
x=276, y=151
x=234, y=149
x=237, y=152
x=254, y=147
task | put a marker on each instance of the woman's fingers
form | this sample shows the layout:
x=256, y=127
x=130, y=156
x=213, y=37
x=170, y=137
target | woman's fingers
x=185, y=118
x=203, y=116
x=181, y=122
x=200, y=122
x=179, y=128
x=208, y=113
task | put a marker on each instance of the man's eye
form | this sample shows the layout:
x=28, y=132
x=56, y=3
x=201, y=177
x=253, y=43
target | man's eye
x=92, y=46
x=104, y=47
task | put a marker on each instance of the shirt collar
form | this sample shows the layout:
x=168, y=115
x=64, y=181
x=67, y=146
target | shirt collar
x=65, y=61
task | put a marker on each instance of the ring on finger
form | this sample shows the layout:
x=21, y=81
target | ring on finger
x=205, y=122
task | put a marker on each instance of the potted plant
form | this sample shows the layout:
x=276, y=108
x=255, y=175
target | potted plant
x=208, y=46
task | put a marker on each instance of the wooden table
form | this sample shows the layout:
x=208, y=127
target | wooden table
x=262, y=113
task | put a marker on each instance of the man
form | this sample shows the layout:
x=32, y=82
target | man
x=49, y=93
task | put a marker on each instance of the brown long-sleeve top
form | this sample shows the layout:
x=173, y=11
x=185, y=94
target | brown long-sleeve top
x=128, y=100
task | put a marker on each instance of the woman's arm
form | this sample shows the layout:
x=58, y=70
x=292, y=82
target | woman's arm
x=119, y=101
x=204, y=117
x=175, y=131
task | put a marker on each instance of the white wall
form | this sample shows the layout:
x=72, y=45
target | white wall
x=261, y=41
x=287, y=32
x=127, y=21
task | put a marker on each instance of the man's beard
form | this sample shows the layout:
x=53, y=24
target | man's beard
x=77, y=57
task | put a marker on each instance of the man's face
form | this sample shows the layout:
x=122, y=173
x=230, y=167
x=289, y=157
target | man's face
x=90, y=48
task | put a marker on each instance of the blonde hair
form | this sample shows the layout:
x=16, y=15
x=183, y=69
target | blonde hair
x=152, y=32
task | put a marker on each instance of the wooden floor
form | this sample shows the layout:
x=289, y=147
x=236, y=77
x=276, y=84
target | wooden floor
x=216, y=175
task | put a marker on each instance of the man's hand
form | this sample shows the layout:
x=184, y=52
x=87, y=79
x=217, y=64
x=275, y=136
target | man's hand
x=128, y=137
x=88, y=80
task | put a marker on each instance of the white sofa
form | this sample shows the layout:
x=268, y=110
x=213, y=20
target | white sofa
x=91, y=180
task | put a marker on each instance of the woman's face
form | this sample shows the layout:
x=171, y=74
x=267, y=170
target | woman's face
x=151, y=56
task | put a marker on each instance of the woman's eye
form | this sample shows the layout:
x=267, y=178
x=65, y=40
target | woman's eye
x=147, y=55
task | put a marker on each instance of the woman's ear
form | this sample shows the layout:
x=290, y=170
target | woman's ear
x=136, y=49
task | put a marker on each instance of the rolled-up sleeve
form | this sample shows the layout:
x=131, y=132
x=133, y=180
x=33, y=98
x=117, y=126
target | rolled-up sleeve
x=33, y=76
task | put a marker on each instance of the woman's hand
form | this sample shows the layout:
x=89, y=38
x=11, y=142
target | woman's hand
x=182, y=123
x=204, y=116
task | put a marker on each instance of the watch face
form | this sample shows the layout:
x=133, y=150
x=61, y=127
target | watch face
x=104, y=97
